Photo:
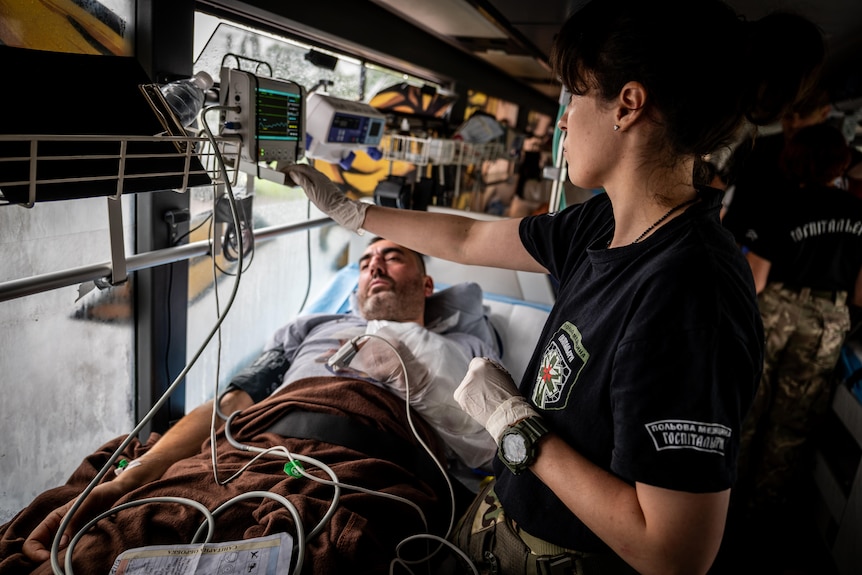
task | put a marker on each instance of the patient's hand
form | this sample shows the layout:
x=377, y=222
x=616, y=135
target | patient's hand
x=38, y=544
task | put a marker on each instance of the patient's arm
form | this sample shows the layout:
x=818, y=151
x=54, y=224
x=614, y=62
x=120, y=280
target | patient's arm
x=182, y=440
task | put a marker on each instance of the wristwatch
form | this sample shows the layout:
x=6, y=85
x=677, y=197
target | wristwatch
x=517, y=448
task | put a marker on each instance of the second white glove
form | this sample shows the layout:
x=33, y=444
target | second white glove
x=490, y=396
x=324, y=194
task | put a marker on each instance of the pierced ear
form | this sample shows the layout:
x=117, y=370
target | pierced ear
x=632, y=100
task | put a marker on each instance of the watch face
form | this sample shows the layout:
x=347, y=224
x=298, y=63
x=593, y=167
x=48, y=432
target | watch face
x=514, y=448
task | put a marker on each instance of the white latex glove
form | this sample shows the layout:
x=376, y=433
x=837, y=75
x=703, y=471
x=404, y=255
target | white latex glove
x=324, y=194
x=490, y=396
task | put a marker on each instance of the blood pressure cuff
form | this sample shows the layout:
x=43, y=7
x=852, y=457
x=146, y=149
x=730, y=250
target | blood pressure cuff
x=263, y=376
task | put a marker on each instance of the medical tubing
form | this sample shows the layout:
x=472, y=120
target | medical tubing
x=242, y=469
x=404, y=563
x=210, y=520
x=55, y=545
x=416, y=433
x=235, y=216
x=300, y=534
x=215, y=410
x=424, y=446
x=336, y=497
x=335, y=483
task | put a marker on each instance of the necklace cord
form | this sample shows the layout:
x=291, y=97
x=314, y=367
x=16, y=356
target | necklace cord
x=664, y=217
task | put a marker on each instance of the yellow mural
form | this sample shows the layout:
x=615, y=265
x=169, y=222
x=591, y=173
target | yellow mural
x=364, y=174
x=63, y=26
x=413, y=100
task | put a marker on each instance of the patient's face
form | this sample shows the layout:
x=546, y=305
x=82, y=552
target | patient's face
x=392, y=285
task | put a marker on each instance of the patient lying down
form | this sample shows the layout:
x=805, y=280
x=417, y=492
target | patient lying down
x=352, y=416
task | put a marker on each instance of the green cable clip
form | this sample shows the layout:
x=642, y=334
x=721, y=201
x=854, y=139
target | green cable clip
x=294, y=468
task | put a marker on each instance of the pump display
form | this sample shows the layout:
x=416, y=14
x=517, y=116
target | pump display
x=337, y=127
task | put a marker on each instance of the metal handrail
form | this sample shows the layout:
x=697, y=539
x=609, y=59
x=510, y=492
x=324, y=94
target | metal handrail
x=98, y=272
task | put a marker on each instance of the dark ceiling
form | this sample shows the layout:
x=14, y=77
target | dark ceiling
x=501, y=47
x=528, y=29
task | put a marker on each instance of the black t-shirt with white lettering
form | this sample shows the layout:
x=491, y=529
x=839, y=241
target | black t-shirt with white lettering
x=649, y=360
x=813, y=239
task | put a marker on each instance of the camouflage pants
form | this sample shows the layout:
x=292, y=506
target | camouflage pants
x=803, y=337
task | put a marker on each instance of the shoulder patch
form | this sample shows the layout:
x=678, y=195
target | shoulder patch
x=684, y=434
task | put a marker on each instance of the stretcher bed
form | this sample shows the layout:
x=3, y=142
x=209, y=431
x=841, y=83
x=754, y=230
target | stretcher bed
x=363, y=529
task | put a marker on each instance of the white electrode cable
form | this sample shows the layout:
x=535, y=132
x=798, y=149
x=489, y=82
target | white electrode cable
x=405, y=563
x=300, y=535
x=340, y=360
x=55, y=546
x=281, y=451
x=181, y=500
x=427, y=449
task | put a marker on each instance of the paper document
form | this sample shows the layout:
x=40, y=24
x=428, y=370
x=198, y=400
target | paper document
x=268, y=555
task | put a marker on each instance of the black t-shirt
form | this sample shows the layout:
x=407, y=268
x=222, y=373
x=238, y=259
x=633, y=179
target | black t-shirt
x=812, y=239
x=757, y=184
x=648, y=362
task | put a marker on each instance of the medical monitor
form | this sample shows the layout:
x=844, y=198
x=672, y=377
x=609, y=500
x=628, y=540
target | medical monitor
x=269, y=115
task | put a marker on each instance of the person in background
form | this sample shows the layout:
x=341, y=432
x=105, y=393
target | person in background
x=753, y=175
x=854, y=177
x=806, y=258
x=707, y=173
x=292, y=376
x=529, y=167
x=617, y=451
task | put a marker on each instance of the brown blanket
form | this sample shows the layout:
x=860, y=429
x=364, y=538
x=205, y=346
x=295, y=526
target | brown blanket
x=359, y=538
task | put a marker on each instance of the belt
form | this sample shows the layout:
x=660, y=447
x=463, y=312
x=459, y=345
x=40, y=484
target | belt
x=838, y=297
x=550, y=559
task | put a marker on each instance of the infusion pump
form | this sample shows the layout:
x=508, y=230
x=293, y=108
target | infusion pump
x=336, y=127
x=267, y=114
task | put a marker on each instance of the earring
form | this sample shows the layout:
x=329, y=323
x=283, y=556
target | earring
x=616, y=127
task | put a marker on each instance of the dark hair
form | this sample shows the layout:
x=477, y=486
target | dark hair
x=814, y=101
x=815, y=155
x=419, y=257
x=704, y=68
x=705, y=171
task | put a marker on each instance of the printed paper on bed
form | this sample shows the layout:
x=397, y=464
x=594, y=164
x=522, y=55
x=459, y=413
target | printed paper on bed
x=268, y=555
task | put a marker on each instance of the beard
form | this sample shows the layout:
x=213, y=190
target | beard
x=402, y=302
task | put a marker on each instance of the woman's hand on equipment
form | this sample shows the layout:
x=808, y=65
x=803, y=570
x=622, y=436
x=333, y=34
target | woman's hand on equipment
x=38, y=544
x=490, y=396
x=324, y=194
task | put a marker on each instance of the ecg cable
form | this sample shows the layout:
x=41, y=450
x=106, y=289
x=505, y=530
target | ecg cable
x=109, y=464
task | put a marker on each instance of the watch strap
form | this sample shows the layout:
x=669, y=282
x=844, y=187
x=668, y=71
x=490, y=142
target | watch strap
x=531, y=429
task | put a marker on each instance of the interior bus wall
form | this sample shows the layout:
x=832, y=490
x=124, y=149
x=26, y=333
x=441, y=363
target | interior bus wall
x=80, y=367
